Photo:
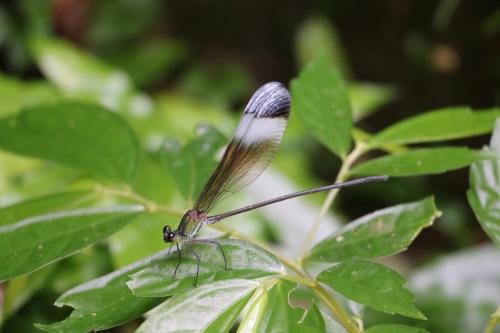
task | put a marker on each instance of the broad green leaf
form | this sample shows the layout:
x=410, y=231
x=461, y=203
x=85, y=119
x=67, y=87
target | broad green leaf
x=81, y=75
x=395, y=328
x=321, y=102
x=190, y=166
x=16, y=94
x=244, y=261
x=381, y=233
x=317, y=35
x=79, y=135
x=280, y=316
x=440, y=125
x=484, y=192
x=486, y=213
x=366, y=98
x=31, y=243
x=425, y=161
x=372, y=284
x=216, y=307
x=104, y=302
x=44, y=205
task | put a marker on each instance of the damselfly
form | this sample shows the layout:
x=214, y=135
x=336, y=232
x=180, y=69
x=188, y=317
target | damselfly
x=251, y=149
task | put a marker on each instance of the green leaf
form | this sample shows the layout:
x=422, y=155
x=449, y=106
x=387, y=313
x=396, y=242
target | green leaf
x=104, y=302
x=44, y=205
x=372, y=284
x=216, y=305
x=31, y=243
x=440, y=125
x=395, y=328
x=317, y=35
x=16, y=94
x=191, y=166
x=320, y=100
x=81, y=75
x=244, y=261
x=366, y=98
x=381, y=233
x=79, y=135
x=484, y=192
x=425, y=161
x=281, y=316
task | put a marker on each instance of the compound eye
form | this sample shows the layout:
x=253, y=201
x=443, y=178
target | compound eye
x=168, y=235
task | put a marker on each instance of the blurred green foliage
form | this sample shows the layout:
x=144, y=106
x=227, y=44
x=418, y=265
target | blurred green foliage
x=164, y=67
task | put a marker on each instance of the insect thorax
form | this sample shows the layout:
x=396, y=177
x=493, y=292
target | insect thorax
x=191, y=223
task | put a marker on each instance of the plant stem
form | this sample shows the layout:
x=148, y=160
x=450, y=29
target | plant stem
x=301, y=280
x=341, y=176
x=150, y=205
x=336, y=309
x=492, y=323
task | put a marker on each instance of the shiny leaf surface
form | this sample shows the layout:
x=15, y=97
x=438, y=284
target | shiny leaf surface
x=216, y=305
x=381, y=233
x=244, y=261
x=104, y=302
x=484, y=192
x=439, y=125
x=425, y=161
x=372, y=284
x=33, y=242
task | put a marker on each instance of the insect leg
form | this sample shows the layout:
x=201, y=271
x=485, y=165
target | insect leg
x=197, y=267
x=216, y=243
x=179, y=261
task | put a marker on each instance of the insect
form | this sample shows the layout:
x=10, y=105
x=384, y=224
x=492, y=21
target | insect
x=251, y=149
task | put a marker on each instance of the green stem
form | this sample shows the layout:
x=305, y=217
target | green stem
x=341, y=176
x=151, y=206
x=492, y=323
x=300, y=279
x=336, y=309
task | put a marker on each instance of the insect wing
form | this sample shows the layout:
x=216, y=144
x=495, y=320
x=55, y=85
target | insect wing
x=252, y=147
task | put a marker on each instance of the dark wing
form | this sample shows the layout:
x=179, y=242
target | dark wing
x=252, y=147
